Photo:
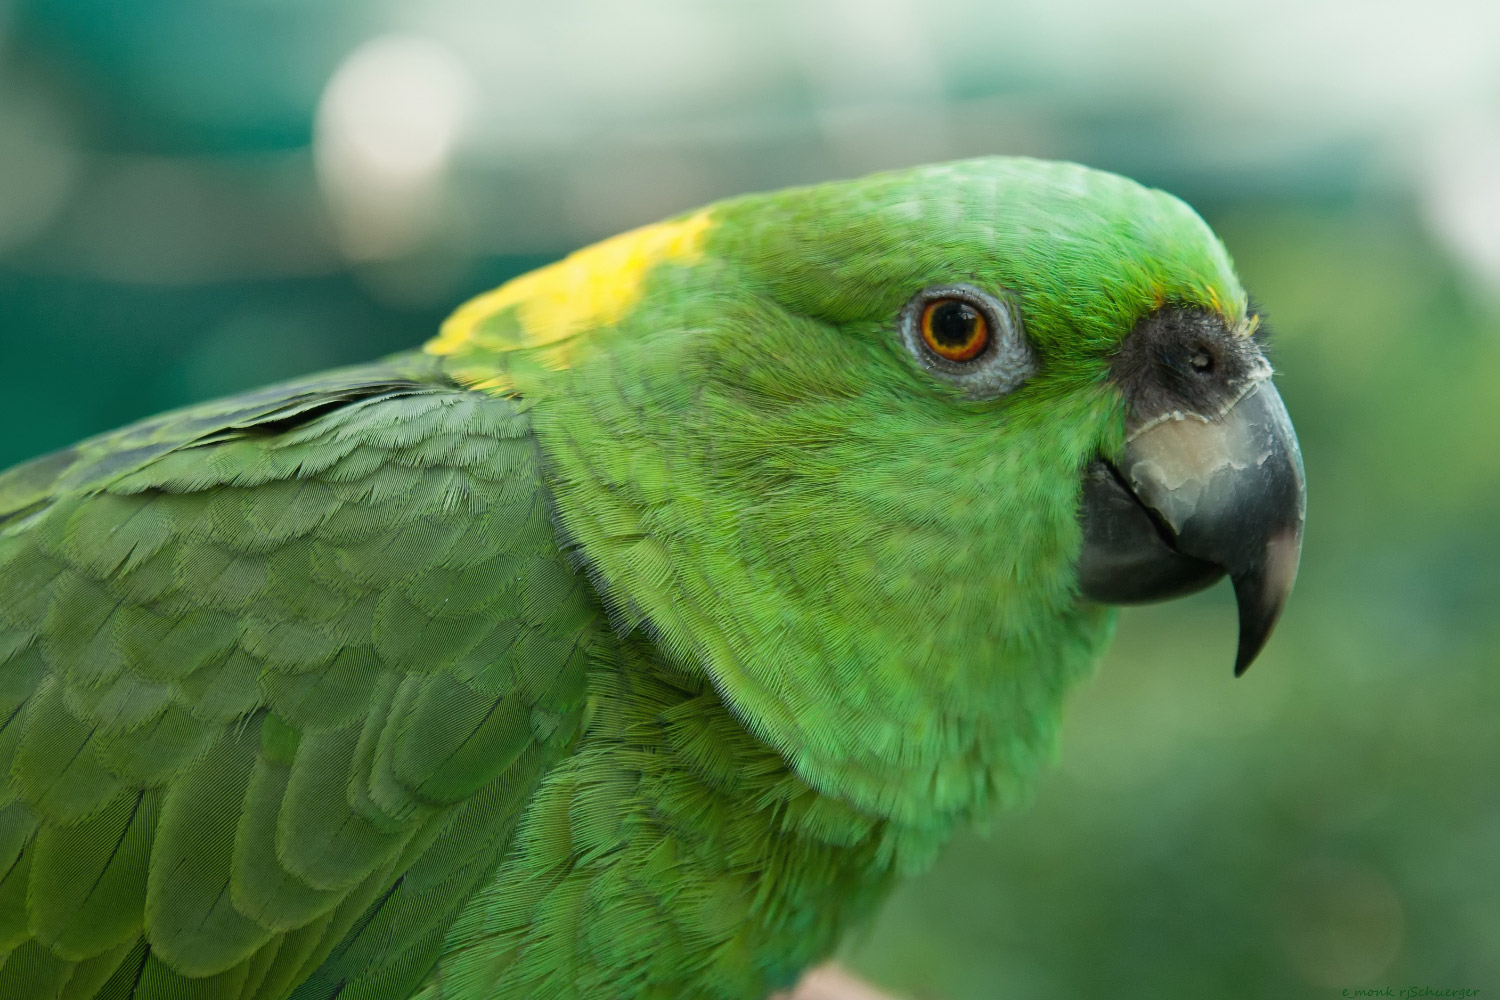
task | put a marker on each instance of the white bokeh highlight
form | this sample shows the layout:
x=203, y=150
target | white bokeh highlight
x=387, y=129
x=1460, y=186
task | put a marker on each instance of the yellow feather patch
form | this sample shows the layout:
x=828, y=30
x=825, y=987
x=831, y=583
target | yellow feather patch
x=591, y=288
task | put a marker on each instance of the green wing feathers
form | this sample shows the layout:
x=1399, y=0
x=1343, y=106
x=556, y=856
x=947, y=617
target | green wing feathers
x=276, y=678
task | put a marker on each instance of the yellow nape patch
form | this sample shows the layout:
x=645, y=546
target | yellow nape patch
x=590, y=288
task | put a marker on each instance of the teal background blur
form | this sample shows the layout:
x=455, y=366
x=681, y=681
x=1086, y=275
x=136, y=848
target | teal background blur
x=199, y=196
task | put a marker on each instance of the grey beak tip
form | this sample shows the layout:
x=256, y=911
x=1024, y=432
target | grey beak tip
x=1250, y=648
x=1255, y=631
x=1262, y=594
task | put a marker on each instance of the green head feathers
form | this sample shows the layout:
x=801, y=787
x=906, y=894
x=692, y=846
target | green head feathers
x=872, y=560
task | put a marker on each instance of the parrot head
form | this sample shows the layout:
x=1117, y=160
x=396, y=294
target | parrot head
x=877, y=455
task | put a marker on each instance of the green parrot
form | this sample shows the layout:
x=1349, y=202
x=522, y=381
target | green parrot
x=637, y=634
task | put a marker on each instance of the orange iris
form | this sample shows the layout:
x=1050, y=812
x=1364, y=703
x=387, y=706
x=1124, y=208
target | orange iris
x=954, y=329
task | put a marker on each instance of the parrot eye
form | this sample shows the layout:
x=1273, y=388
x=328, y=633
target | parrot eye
x=968, y=338
x=954, y=329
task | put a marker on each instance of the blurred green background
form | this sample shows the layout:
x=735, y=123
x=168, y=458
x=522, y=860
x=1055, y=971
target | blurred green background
x=198, y=196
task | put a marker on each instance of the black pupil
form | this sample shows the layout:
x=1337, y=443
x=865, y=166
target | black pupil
x=953, y=324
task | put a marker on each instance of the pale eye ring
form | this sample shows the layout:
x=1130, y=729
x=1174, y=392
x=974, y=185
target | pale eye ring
x=967, y=337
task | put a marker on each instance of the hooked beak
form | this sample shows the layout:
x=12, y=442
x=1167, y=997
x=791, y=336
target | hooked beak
x=1193, y=498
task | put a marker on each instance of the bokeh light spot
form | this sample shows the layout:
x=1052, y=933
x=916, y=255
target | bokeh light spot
x=1341, y=922
x=388, y=124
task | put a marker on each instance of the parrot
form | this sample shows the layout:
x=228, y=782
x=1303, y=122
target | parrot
x=635, y=635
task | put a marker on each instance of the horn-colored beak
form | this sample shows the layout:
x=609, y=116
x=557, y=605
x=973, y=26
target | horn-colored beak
x=1193, y=498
